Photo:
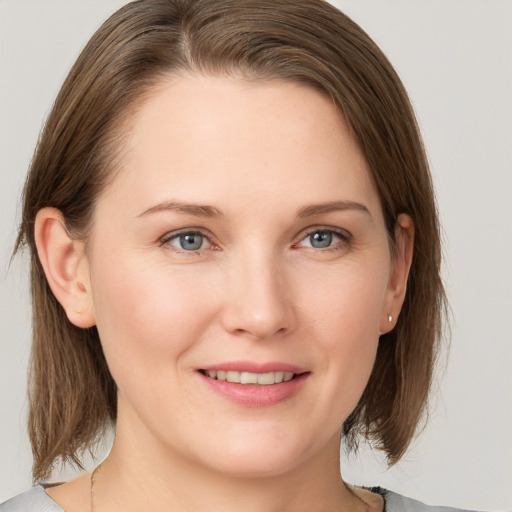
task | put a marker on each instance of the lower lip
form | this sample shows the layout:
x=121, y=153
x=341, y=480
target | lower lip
x=254, y=395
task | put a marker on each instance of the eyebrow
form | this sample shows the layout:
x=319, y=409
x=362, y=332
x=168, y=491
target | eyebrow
x=198, y=210
x=206, y=211
x=331, y=206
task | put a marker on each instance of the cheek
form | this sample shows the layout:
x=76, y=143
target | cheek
x=345, y=308
x=146, y=316
x=347, y=301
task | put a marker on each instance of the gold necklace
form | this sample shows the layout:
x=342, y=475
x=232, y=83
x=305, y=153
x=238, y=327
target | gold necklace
x=93, y=475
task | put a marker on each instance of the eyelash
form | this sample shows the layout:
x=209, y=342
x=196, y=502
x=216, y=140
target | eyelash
x=176, y=235
x=340, y=233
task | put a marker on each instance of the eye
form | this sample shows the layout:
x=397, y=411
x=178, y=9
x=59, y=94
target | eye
x=323, y=239
x=188, y=241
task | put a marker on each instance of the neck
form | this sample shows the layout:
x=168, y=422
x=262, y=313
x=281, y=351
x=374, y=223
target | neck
x=152, y=479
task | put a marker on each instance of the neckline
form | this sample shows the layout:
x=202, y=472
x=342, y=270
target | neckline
x=382, y=493
x=43, y=486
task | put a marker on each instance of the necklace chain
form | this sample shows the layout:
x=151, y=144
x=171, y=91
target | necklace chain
x=93, y=476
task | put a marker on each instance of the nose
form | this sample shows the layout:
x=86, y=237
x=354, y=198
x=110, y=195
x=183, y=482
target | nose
x=258, y=301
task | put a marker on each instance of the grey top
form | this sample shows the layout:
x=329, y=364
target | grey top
x=36, y=500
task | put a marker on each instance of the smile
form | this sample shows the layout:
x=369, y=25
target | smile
x=263, y=379
x=253, y=384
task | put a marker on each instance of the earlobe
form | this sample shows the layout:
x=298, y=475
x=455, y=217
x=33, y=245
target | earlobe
x=65, y=266
x=399, y=272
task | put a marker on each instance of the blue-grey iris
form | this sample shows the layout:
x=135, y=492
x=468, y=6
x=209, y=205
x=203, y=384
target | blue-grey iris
x=191, y=241
x=320, y=239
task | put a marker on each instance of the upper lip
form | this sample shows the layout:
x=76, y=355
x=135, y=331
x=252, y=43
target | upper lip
x=255, y=367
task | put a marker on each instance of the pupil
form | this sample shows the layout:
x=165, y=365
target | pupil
x=321, y=239
x=191, y=241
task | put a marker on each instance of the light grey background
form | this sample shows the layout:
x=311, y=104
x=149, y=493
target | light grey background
x=455, y=58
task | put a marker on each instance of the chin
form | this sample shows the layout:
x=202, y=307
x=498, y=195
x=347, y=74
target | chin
x=257, y=458
x=254, y=468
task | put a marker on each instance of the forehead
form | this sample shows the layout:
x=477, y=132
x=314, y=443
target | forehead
x=219, y=137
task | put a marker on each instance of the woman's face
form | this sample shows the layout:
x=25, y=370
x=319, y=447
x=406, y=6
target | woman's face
x=243, y=239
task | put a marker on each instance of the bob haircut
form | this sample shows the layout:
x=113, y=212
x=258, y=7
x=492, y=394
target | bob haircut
x=72, y=395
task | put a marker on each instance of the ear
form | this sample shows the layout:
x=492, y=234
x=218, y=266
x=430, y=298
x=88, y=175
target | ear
x=399, y=272
x=65, y=266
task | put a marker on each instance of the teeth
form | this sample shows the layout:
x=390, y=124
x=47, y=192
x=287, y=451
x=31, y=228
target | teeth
x=249, y=378
x=264, y=379
x=233, y=377
x=267, y=378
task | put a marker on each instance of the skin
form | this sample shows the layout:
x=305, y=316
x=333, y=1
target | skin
x=256, y=290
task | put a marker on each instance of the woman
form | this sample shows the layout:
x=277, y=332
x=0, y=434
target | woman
x=235, y=259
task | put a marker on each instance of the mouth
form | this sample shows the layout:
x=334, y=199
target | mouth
x=255, y=385
x=262, y=379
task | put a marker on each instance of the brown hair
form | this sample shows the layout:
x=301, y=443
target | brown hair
x=72, y=395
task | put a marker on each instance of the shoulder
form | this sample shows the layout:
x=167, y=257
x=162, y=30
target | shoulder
x=35, y=500
x=398, y=503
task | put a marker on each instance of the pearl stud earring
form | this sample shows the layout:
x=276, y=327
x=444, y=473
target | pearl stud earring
x=390, y=318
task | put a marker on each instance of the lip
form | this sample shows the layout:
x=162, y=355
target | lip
x=254, y=395
x=254, y=367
